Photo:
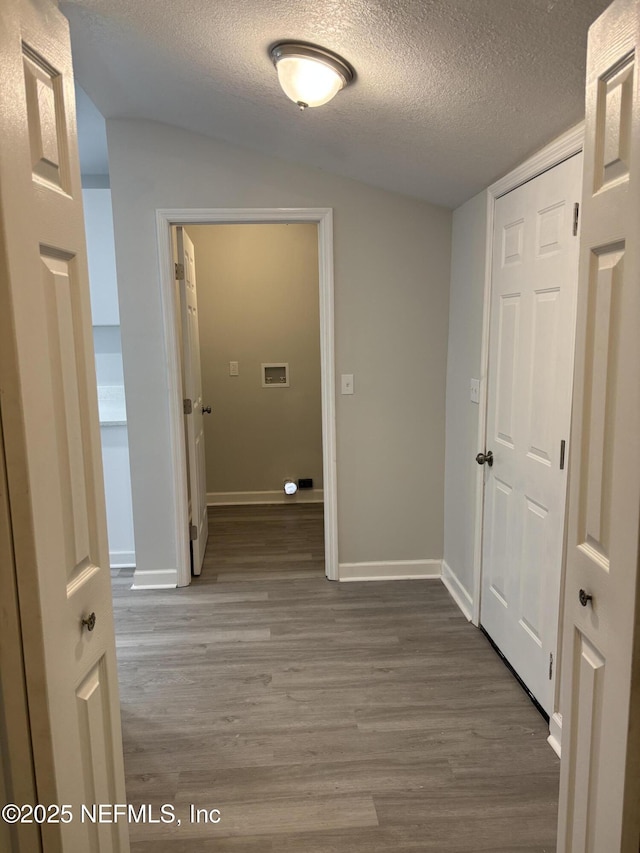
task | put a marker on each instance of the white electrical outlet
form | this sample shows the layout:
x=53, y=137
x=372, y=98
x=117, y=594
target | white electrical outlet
x=475, y=391
x=234, y=368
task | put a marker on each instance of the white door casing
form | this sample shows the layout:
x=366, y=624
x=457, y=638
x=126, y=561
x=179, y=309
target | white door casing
x=534, y=263
x=192, y=391
x=600, y=683
x=323, y=217
x=51, y=434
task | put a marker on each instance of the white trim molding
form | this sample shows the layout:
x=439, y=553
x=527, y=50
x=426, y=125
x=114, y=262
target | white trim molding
x=302, y=496
x=565, y=146
x=571, y=142
x=122, y=559
x=323, y=217
x=457, y=591
x=555, y=733
x=157, y=579
x=397, y=570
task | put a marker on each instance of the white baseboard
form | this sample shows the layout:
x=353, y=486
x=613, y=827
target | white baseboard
x=155, y=579
x=457, y=591
x=390, y=571
x=122, y=559
x=302, y=496
x=555, y=733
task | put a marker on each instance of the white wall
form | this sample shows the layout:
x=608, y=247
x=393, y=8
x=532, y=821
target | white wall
x=258, y=302
x=468, y=251
x=392, y=265
x=109, y=374
x=101, y=256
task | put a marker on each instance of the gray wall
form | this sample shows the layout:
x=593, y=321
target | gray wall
x=392, y=267
x=258, y=302
x=468, y=252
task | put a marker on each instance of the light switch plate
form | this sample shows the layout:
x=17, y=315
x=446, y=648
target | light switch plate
x=347, y=383
x=234, y=368
x=475, y=390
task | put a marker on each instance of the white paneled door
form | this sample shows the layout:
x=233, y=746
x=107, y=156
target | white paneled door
x=600, y=685
x=49, y=416
x=533, y=303
x=194, y=406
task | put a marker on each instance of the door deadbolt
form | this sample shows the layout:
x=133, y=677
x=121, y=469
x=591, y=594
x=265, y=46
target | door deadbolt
x=487, y=457
x=206, y=410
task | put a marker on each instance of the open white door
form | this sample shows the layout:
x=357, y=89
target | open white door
x=600, y=683
x=194, y=408
x=51, y=435
x=533, y=311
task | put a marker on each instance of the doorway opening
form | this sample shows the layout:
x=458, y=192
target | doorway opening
x=249, y=332
x=321, y=219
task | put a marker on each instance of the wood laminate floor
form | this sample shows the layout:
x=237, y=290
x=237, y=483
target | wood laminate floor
x=320, y=717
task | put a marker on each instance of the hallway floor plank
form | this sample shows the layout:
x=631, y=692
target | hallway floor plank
x=321, y=717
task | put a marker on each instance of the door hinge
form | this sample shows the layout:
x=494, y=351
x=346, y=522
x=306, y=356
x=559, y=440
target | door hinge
x=576, y=214
x=187, y=407
x=193, y=532
x=179, y=268
x=550, y=666
x=563, y=447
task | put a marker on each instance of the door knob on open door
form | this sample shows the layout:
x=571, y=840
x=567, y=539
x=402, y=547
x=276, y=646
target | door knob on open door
x=206, y=410
x=584, y=597
x=89, y=622
x=481, y=458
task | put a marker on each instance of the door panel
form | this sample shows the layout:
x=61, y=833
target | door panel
x=60, y=299
x=532, y=599
x=600, y=773
x=50, y=421
x=502, y=514
x=544, y=363
x=589, y=668
x=601, y=355
x=193, y=391
x=507, y=368
x=528, y=415
x=17, y=780
x=93, y=703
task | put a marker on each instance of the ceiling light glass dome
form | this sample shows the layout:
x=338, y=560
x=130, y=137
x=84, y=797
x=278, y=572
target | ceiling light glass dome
x=310, y=76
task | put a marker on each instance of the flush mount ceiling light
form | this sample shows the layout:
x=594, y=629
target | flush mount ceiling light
x=310, y=76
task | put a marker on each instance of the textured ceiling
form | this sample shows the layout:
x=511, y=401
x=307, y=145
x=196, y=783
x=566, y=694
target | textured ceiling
x=450, y=94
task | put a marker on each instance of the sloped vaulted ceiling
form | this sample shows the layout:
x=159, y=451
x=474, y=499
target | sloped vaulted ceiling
x=450, y=94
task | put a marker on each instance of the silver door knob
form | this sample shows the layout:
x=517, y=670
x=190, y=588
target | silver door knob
x=89, y=622
x=487, y=457
x=584, y=598
x=206, y=410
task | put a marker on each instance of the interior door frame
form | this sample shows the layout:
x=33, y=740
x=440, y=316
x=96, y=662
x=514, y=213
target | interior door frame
x=323, y=218
x=565, y=146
